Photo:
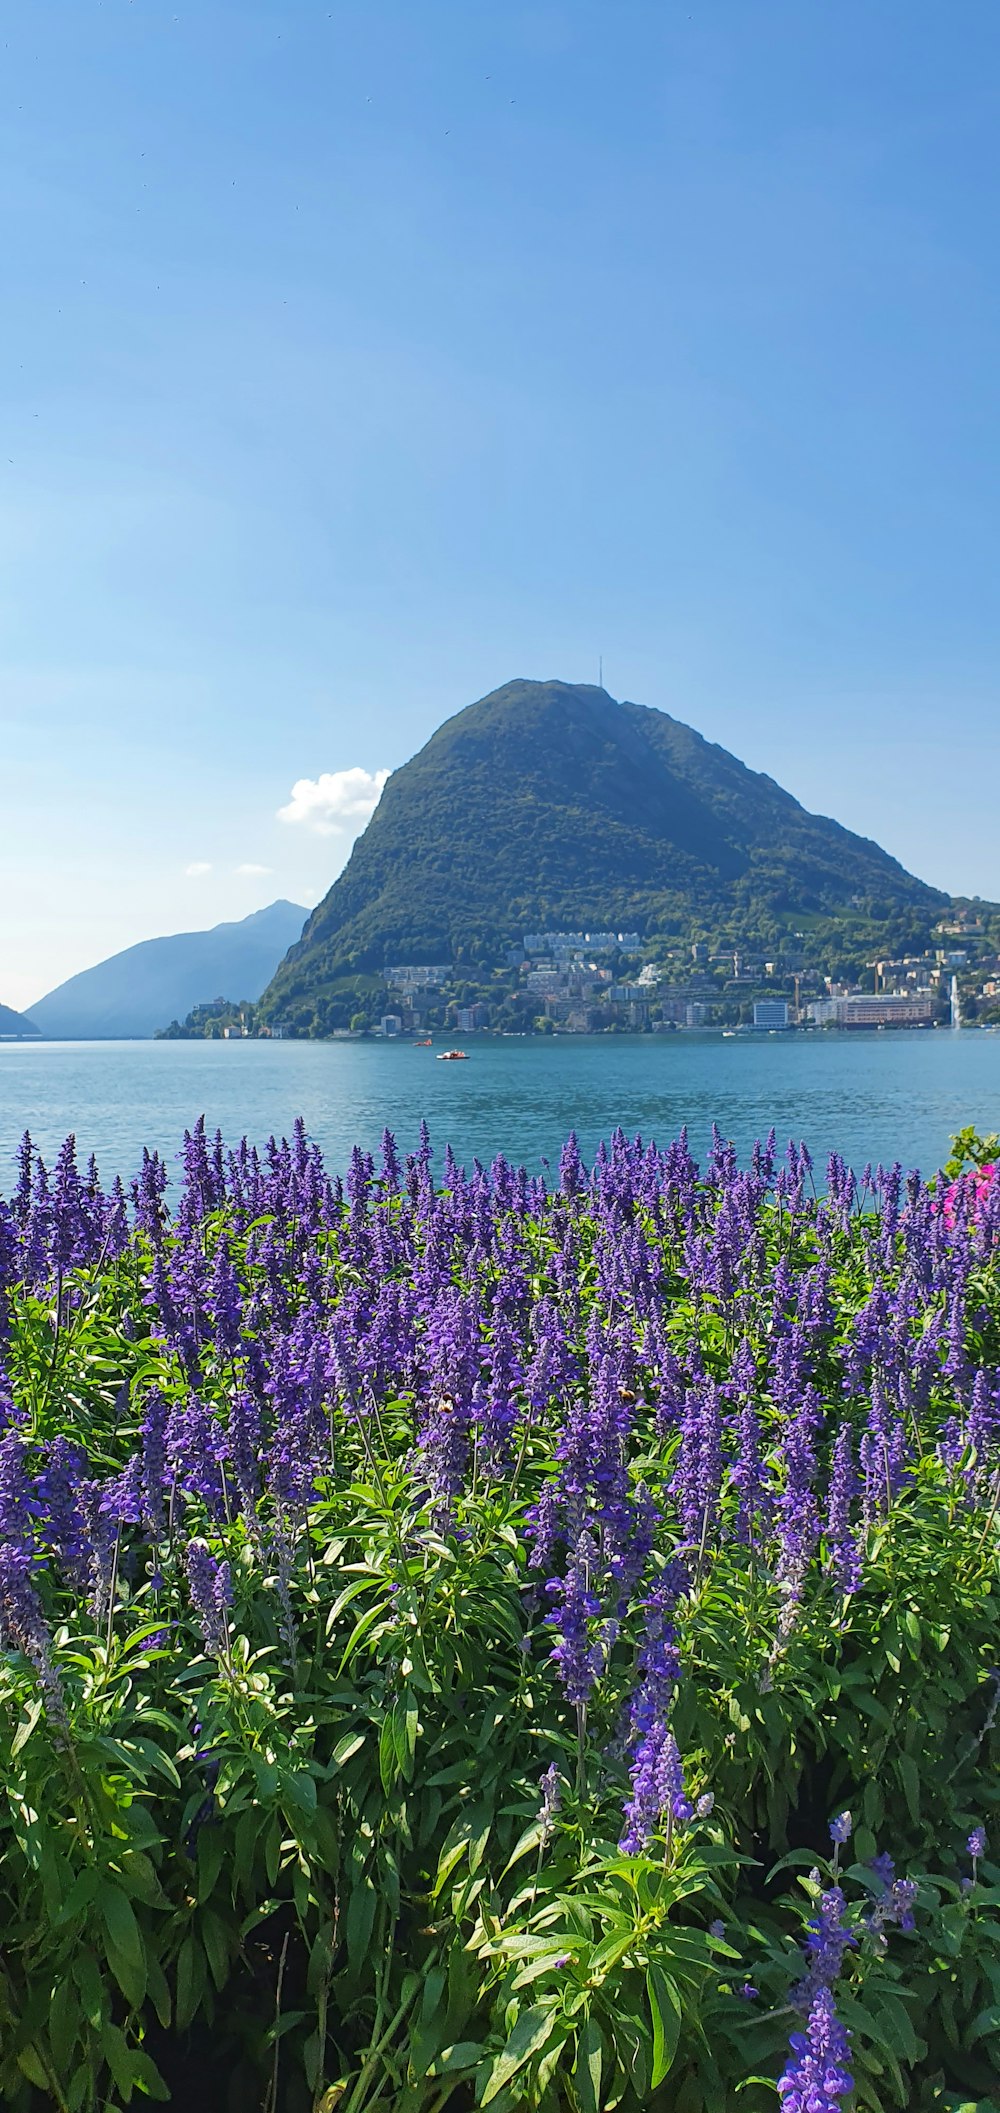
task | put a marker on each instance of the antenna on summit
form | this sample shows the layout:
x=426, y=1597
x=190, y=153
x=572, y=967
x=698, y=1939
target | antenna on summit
x=600, y=671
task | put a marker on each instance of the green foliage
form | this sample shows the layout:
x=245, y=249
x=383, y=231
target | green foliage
x=211, y=1022
x=312, y=1867
x=969, y=1149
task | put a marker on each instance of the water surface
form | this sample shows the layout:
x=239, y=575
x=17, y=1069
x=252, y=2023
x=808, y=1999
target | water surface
x=872, y=1096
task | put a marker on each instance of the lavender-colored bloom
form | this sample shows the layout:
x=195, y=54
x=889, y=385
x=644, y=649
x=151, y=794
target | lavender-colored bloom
x=572, y=1178
x=698, y=1475
x=657, y=1778
x=576, y=1606
x=828, y=1937
x=211, y=1592
x=903, y=1896
x=816, y=2075
x=841, y=1541
x=17, y=1506
x=884, y=1455
x=551, y=1787
x=841, y=1829
x=224, y=1301
x=976, y=1844
x=884, y=1867
x=155, y=1421
x=63, y=1475
x=245, y=1445
x=748, y=1478
x=797, y=1508
x=23, y=1628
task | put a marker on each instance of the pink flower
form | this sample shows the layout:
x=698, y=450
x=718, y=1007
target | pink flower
x=974, y=1187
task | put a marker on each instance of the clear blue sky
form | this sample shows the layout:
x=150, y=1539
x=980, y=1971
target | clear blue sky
x=358, y=355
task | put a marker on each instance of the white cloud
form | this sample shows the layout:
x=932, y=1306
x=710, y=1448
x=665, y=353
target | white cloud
x=197, y=869
x=338, y=799
x=250, y=871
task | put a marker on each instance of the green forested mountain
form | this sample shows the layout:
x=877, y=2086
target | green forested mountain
x=550, y=805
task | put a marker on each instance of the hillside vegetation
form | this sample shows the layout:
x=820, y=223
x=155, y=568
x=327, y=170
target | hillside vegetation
x=550, y=805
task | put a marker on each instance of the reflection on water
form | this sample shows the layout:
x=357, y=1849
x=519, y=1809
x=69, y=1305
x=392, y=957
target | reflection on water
x=878, y=1096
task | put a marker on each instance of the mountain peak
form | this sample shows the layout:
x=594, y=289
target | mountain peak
x=15, y=1025
x=134, y=993
x=554, y=805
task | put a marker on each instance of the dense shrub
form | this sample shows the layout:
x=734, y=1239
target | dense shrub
x=470, y=1644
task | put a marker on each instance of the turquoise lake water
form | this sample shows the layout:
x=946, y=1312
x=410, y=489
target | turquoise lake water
x=871, y=1096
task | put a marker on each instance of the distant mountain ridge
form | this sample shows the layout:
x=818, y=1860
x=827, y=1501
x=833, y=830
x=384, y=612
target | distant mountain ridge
x=15, y=1023
x=551, y=805
x=134, y=993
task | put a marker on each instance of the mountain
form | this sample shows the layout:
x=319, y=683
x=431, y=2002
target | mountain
x=549, y=805
x=15, y=1023
x=141, y=989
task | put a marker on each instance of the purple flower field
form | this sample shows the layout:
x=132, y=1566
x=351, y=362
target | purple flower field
x=466, y=1642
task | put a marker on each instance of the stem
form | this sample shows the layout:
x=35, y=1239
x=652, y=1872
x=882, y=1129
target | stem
x=358, y=2094
x=991, y=1514
x=113, y=1587
x=55, y=1341
x=581, y=1739
x=271, y=2102
x=701, y=1550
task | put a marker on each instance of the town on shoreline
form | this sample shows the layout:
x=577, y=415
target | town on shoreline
x=593, y=982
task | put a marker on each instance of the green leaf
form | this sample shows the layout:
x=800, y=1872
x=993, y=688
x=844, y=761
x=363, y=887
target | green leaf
x=451, y=1854
x=388, y=1758
x=465, y=2054
x=87, y=1975
x=65, y=2020
x=214, y=1936
x=126, y=1952
x=211, y=1850
x=910, y=1778
x=119, y=2061
x=589, y=2065
x=157, y=1992
x=665, y=2010
x=529, y=1840
x=358, y=1922
x=147, y=2075
x=29, y=2061
x=347, y=1747
x=190, y=1981
x=298, y=1795
x=531, y=2031
x=26, y=1726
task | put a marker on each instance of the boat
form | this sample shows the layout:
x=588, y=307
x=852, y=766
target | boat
x=452, y=1056
x=729, y=1034
x=423, y=1045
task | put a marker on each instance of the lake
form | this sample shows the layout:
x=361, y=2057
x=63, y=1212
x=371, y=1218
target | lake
x=871, y=1096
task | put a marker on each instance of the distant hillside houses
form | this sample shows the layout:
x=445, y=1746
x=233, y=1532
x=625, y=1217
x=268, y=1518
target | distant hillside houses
x=559, y=946
x=424, y=976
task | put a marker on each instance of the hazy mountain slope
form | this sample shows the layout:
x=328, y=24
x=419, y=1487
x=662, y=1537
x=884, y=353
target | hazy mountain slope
x=15, y=1023
x=549, y=804
x=147, y=986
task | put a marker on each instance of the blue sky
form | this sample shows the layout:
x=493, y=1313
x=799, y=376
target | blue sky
x=357, y=357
